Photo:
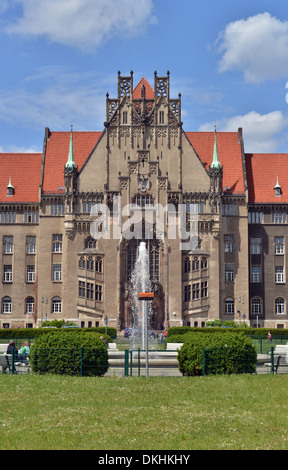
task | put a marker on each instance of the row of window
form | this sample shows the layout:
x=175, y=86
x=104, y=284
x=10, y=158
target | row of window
x=90, y=291
x=31, y=273
x=8, y=244
x=276, y=217
x=257, y=306
x=6, y=305
x=195, y=263
x=91, y=264
x=255, y=245
x=9, y=216
x=279, y=277
x=195, y=291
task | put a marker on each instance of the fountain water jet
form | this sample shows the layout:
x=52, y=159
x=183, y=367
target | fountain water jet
x=141, y=283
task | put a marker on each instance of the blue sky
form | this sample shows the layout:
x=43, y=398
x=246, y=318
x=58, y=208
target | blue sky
x=59, y=58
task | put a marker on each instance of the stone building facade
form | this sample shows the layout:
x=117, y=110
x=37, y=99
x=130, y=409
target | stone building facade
x=73, y=216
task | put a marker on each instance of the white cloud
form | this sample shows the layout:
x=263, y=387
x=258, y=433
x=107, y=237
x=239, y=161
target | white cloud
x=16, y=149
x=83, y=23
x=257, y=46
x=53, y=97
x=262, y=133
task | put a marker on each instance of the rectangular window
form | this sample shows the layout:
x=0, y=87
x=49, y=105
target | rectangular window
x=56, y=305
x=187, y=293
x=98, y=292
x=57, y=209
x=161, y=117
x=229, y=209
x=31, y=217
x=57, y=243
x=195, y=208
x=30, y=245
x=256, y=274
x=90, y=291
x=125, y=119
x=229, y=306
x=255, y=217
x=98, y=265
x=7, y=245
x=229, y=272
x=87, y=206
x=57, y=272
x=195, y=291
x=7, y=273
x=255, y=246
x=30, y=273
x=8, y=217
x=279, y=274
x=229, y=243
x=6, y=305
x=278, y=217
x=279, y=245
x=204, y=289
x=81, y=289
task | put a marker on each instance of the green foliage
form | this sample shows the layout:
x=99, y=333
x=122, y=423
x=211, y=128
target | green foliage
x=57, y=323
x=73, y=353
x=31, y=333
x=248, y=331
x=225, y=354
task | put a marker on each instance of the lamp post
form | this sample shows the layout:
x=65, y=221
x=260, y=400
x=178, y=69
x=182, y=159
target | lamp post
x=46, y=302
x=42, y=300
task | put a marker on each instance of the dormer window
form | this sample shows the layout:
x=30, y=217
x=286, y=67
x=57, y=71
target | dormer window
x=10, y=188
x=277, y=189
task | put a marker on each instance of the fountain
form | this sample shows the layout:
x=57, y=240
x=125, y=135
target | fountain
x=140, y=283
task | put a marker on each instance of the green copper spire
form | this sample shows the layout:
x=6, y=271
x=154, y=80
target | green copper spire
x=70, y=162
x=215, y=163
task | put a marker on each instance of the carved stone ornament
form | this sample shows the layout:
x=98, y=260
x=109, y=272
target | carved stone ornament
x=143, y=183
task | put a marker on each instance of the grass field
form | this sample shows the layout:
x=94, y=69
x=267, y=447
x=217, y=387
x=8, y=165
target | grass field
x=246, y=412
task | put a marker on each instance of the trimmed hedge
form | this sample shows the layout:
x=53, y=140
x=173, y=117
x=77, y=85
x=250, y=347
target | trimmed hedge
x=72, y=353
x=248, y=331
x=225, y=354
x=30, y=333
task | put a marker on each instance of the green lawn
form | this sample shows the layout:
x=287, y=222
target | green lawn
x=155, y=413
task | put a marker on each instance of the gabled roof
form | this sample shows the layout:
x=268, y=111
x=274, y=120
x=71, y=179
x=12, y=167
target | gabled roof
x=229, y=154
x=262, y=171
x=24, y=169
x=148, y=88
x=57, y=152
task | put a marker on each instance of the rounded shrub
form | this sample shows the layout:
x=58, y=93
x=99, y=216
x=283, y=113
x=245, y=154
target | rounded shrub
x=72, y=353
x=226, y=354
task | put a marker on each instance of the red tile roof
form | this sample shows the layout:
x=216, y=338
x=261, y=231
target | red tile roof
x=148, y=88
x=24, y=169
x=57, y=154
x=262, y=170
x=229, y=154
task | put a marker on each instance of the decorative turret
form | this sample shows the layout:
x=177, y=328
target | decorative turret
x=70, y=179
x=215, y=164
x=216, y=177
x=70, y=162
